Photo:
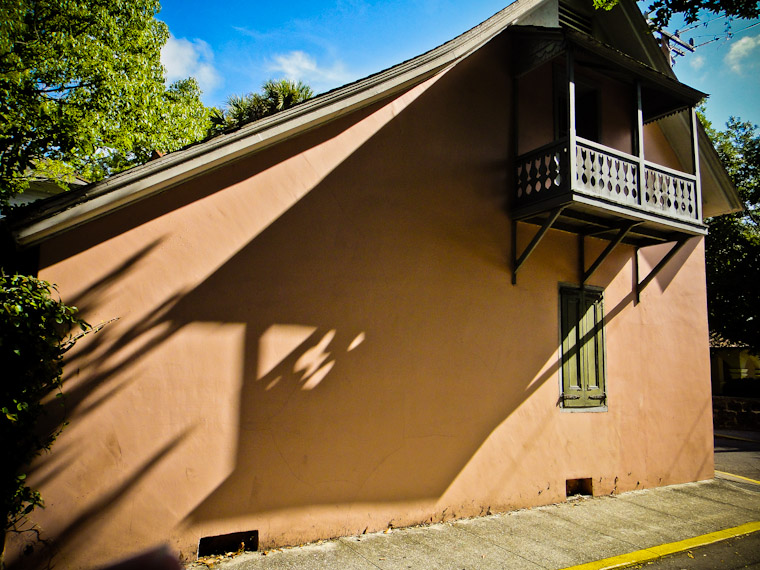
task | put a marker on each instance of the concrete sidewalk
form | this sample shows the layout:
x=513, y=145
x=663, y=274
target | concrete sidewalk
x=557, y=536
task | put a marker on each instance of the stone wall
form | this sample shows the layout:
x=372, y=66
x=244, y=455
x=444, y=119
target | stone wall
x=736, y=413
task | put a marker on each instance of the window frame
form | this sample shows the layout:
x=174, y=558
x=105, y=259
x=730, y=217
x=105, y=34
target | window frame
x=591, y=403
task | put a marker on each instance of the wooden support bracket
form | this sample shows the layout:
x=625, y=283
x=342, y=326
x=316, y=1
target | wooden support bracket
x=517, y=262
x=622, y=232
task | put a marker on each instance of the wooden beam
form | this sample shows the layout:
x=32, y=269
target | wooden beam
x=635, y=283
x=608, y=250
x=517, y=263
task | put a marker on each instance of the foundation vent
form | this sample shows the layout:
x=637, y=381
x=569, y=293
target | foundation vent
x=575, y=487
x=224, y=543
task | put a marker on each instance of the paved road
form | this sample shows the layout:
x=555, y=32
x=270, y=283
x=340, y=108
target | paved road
x=738, y=456
x=731, y=554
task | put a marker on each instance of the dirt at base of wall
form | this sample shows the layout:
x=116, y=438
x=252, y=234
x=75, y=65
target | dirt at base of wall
x=736, y=413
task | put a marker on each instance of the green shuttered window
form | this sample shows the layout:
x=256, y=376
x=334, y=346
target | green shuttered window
x=582, y=352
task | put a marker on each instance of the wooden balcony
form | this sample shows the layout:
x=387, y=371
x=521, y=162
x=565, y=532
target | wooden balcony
x=570, y=84
x=580, y=185
x=598, y=190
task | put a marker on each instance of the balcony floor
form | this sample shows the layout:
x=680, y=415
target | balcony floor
x=605, y=191
x=579, y=217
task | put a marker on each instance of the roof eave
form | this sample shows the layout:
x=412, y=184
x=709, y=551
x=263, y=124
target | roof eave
x=709, y=159
x=54, y=217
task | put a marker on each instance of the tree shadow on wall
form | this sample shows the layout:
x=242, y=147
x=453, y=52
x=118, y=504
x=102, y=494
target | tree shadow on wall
x=378, y=353
x=384, y=342
x=98, y=353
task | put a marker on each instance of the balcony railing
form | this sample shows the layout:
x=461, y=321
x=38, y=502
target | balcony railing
x=611, y=176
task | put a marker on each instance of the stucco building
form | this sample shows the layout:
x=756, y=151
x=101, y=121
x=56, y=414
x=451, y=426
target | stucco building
x=454, y=287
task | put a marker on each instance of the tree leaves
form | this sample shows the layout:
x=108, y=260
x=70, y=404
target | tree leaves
x=663, y=10
x=82, y=90
x=277, y=95
x=34, y=328
x=732, y=247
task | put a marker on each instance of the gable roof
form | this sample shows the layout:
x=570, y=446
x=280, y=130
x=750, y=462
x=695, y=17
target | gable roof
x=53, y=216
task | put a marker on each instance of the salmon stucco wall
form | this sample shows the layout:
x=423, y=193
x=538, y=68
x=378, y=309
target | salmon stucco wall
x=657, y=149
x=323, y=339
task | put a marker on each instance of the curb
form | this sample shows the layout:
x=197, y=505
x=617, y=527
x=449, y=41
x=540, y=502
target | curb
x=732, y=477
x=656, y=552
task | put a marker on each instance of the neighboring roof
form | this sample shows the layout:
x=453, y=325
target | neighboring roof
x=55, y=215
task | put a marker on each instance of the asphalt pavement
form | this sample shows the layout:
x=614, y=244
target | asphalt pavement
x=680, y=524
x=731, y=554
x=738, y=452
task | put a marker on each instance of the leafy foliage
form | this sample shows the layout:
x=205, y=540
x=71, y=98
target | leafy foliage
x=82, y=90
x=275, y=96
x=34, y=335
x=663, y=10
x=175, y=119
x=733, y=242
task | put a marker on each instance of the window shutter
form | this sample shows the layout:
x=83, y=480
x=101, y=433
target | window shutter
x=582, y=317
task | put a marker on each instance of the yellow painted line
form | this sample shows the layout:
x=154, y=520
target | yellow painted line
x=736, y=437
x=737, y=477
x=649, y=554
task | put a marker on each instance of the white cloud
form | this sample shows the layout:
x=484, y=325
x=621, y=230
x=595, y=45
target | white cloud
x=740, y=51
x=256, y=35
x=297, y=65
x=697, y=62
x=184, y=58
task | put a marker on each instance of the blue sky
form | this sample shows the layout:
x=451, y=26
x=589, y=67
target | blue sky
x=727, y=69
x=233, y=46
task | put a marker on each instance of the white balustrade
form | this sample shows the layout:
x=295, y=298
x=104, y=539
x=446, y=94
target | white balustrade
x=608, y=174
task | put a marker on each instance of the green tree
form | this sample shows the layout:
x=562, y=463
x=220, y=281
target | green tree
x=275, y=96
x=663, y=10
x=733, y=243
x=82, y=90
x=34, y=334
x=175, y=119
